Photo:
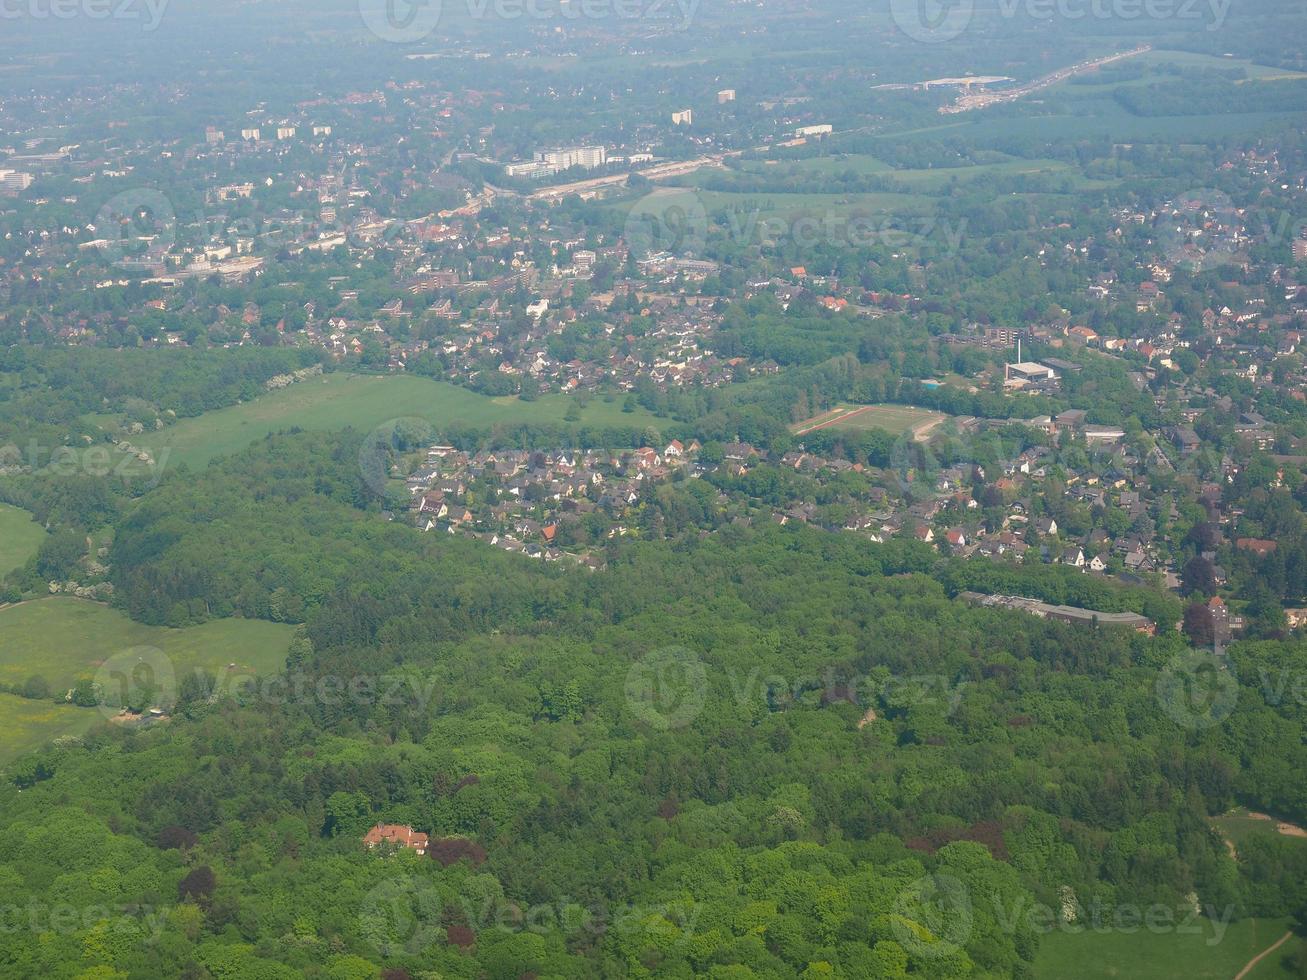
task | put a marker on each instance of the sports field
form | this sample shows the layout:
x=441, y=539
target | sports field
x=20, y=536
x=335, y=401
x=895, y=419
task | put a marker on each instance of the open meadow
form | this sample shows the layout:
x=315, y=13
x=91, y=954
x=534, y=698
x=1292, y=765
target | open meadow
x=20, y=536
x=335, y=401
x=28, y=725
x=64, y=640
x=1189, y=951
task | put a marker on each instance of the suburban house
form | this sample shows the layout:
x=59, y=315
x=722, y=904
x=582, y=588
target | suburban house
x=396, y=835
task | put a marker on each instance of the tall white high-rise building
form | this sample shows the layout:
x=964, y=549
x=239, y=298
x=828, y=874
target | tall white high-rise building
x=566, y=157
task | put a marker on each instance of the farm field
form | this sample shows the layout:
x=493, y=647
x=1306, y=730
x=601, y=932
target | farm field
x=895, y=419
x=64, y=639
x=20, y=536
x=1174, y=955
x=336, y=401
x=30, y=724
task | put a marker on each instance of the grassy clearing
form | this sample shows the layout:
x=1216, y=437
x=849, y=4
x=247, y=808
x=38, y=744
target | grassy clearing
x=20, y=536
x=336, y=401
x=1171, y=955
x=28, y=725
x=1240, y=825
x=65, y=640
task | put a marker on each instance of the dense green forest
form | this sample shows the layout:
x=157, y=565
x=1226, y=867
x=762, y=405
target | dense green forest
x=768, y=752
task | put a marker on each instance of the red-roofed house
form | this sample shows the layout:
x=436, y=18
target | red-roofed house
x=397, y=835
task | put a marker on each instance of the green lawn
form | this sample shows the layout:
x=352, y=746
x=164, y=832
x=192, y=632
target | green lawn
x=1172, y=955
x=20, y=536
x=364, y=402
x=65, y=639
x=30, y=724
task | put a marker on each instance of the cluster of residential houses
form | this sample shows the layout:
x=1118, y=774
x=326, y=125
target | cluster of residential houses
x=520, y=500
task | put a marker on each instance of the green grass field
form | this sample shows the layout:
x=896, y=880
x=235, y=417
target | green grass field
x=1172, y=955
x=30, y=724
x=792, y=205
x=364, y=402
x=923, y=180
x=1191, y=59
x=20, y=536
x=65, y=639
x=1239, y=825
x=895, y=419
